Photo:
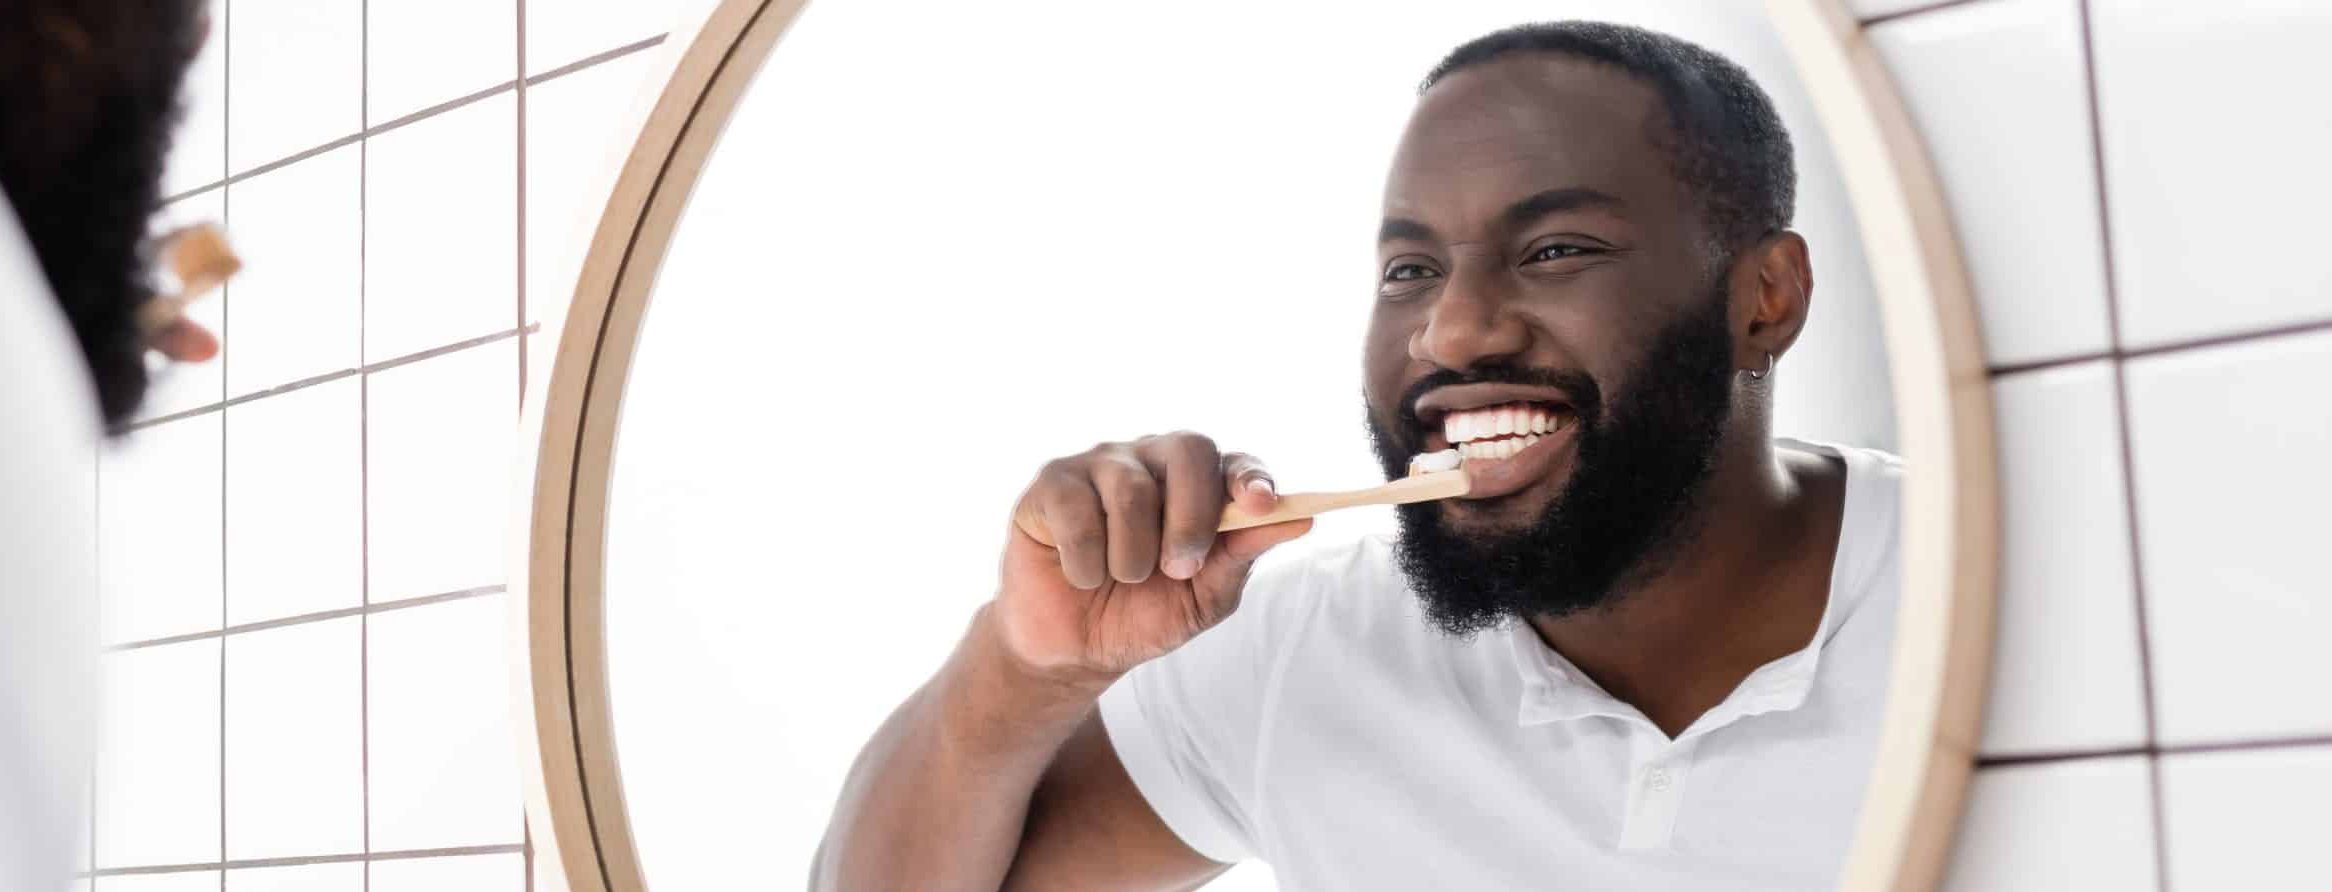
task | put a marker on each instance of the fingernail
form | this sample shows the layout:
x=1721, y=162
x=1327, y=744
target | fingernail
x=1260, y=486
x=1182, y=567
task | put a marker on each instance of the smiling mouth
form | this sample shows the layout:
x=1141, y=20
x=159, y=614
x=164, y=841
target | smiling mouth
x=1495, y=433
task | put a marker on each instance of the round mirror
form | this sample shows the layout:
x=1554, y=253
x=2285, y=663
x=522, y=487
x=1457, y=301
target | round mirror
x=857, y=287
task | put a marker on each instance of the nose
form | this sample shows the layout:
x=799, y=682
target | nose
x=1470, y=324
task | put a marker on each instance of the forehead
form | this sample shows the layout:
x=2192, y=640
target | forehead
x=1506, y=129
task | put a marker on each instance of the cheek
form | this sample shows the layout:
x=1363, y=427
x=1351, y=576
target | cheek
x=1384, y=357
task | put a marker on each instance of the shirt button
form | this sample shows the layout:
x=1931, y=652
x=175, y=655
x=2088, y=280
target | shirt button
x=1656, y=780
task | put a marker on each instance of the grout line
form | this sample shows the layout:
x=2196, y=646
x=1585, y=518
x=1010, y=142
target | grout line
x=2018, y=368
x=367, y=609
x=432, y=111
x=518, y=8
x=1885, y=17
x=329, y=377
x=2180, y=346
x=2129, y=476
x=300, y=860
x=2296, y=328
x=2015, y=759
x=363, y=451
x=593, y=59
x=2157, y=751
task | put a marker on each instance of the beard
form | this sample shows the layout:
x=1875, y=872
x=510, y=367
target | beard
x=1640, y=464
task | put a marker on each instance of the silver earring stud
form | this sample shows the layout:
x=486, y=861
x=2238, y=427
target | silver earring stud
x=1760, y=376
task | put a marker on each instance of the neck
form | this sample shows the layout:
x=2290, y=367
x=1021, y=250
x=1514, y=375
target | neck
x=1746, y=586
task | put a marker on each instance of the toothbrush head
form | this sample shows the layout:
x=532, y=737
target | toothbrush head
x=1431, y=462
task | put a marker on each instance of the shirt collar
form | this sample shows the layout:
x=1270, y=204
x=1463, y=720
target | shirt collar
x=1555, y=690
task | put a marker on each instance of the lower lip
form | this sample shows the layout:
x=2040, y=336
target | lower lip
x=1492, y=478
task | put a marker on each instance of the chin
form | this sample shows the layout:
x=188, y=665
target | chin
x=1501, y=517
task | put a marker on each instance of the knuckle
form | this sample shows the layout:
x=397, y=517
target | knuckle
x=1130, y=497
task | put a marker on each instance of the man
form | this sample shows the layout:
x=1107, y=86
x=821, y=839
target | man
x=1647, y=651
x=88, y=97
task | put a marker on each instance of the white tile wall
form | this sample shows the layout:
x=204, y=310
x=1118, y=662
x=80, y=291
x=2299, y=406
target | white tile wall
x=424, y=52
x=437, y=228
x=2065, y=666
x=2205, y=159
x=341, y=877
x=467, y=873
x=441, y=435
x=176, y=387
x=2212, y=155
x=198, y=151
x=441, y=230
x=294, y=77
x=158, y=540
x=2080, y=824
x=2025, y=208
x=296, y=301
x=158, y=757
x=458, y=784
x=193, y=881
x=559, y=32
x=2248, y=819
x=295, y=503
x=574, y=145
x=2230, y=447
x=295, y=735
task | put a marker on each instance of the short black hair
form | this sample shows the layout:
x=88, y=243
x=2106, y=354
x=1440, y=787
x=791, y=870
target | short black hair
x=88, y=97
x=1729, y=144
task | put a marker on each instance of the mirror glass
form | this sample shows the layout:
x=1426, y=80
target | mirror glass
x=942, y=243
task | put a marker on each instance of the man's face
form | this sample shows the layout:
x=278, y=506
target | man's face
x=1541, y=267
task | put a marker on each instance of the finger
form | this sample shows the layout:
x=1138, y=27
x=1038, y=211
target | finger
x=1249, y=483
x=1190, y=469
x=1225, y=576
x=184, y=341
x=1129, y=498
x=1070, y=513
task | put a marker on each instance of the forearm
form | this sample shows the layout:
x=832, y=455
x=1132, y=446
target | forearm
x=937, y=800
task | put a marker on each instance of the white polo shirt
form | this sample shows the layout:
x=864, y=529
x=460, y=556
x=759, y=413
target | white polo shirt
x=1329, y=730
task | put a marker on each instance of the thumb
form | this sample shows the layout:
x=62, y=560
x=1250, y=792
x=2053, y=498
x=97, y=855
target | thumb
x=1225, y=573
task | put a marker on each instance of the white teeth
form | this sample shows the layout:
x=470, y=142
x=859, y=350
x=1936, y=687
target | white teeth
x=1505, y=422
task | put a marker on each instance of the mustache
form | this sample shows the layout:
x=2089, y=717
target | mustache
x=1586, y=396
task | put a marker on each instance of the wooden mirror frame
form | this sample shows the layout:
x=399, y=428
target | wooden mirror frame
x=1927, y=749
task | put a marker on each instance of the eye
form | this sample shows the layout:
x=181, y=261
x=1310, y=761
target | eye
x=1409, y=272
x=1558, y=251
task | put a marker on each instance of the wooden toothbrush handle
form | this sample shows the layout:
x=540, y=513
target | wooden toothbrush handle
x=1299, y=505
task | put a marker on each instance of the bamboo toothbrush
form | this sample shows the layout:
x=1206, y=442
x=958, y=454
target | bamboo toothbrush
x=1432, y=476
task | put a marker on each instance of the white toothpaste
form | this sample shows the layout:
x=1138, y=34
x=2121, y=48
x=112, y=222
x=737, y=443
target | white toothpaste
x=1426, y=463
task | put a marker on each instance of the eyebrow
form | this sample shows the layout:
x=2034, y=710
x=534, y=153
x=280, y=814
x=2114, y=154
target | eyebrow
x=1520, y=213
x=1555, y=201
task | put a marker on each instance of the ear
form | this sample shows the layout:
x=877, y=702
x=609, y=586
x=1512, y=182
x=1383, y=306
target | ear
x=1773, y=289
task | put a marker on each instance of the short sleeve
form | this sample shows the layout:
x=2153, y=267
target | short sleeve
x=1187, y=726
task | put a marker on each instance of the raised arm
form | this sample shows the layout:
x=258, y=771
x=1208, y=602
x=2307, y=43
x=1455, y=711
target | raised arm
x=997, y=772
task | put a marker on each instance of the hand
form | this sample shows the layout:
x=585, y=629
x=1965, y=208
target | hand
x=184, y=340
x=1136, y=568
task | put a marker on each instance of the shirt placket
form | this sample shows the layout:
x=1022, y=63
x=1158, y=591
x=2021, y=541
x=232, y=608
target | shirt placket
x=1655, y=793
